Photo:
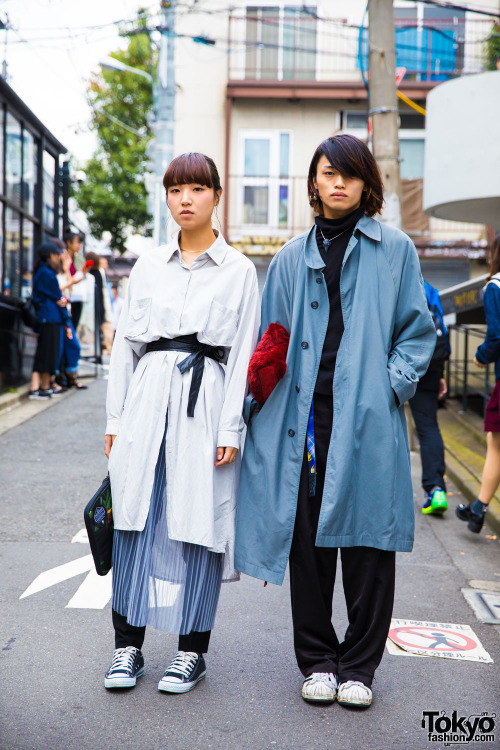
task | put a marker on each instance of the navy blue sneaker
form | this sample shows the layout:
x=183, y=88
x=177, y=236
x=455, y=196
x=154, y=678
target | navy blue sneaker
x=185, y=672
x=126, y=667
x=474, y=521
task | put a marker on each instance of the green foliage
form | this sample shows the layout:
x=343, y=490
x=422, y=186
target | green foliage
x=114, y=194
x=493, y=47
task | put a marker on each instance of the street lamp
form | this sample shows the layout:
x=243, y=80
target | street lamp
x=110, y=63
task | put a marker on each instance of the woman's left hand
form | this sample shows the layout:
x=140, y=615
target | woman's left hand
x=226, y=456
x=479, y=364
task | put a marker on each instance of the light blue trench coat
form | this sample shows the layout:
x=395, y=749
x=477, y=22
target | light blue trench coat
x=388, y=341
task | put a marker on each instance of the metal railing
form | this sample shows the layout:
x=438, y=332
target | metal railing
x=465, y=380
x=276, y=46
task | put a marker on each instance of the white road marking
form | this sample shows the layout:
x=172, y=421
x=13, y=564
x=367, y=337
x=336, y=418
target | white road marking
x=81, y=537
x=94, y=593
x=61, y=573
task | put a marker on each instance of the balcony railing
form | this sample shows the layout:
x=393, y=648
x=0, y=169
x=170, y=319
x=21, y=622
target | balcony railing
x=265, y=46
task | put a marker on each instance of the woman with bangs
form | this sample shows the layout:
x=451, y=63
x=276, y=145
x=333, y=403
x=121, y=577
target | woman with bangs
x=177, y=382
x=326, y=463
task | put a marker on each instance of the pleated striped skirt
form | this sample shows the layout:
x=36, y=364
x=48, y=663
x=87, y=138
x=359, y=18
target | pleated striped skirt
x=157, y=581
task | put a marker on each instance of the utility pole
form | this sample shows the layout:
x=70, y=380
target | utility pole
x=164, y=117
x=384, y=104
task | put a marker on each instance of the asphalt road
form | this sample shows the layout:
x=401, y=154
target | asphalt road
x=54, y=657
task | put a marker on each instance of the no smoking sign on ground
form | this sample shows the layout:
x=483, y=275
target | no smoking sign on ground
x=445, y=640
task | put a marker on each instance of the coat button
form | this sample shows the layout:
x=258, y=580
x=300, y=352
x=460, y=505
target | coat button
x=297, y=388
x=314, y=305
x=291, y=433
x=304, y=345
x=319, y=280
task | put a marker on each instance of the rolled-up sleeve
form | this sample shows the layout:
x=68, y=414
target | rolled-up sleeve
x=236, y=384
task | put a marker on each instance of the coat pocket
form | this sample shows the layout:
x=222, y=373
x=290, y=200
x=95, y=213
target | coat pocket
x=138, y=317
x=221, y=326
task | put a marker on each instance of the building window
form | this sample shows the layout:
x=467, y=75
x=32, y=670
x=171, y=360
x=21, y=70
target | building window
x=12, y=276
x=281, y=43
x=13, y=159
x=412, y=152
x=29, y=171
x=49, y=172
x=430, y=42
x=27, y=258
x=265, y=179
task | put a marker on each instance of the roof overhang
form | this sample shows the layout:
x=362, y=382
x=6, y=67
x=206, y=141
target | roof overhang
x=297, y=90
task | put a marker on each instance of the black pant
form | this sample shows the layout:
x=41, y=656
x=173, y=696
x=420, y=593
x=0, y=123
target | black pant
x=368, y=577
x=424, y=406
x=130, y=635
x=76, y=312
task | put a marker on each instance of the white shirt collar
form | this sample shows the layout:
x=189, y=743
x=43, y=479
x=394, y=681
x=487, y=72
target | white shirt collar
x=216, y=251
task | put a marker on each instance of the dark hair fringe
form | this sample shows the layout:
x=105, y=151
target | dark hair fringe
x=192, y=168
x=495, y=257
x=350, y=157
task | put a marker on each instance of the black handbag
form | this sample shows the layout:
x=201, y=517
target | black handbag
x=98, y=517
x=29, y=314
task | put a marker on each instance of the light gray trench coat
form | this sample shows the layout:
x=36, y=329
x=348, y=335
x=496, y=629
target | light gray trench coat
x=388, y=341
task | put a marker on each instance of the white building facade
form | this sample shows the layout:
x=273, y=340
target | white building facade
x=279, y=77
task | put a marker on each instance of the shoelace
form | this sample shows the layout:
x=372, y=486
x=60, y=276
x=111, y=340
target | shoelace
x=123, y=659
x=183, y=663
x=322, y=677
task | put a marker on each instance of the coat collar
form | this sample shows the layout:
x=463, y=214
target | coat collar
x=366, y=225
x=216, y=251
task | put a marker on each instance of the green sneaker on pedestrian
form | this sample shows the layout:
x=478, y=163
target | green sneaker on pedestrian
x=436, y=503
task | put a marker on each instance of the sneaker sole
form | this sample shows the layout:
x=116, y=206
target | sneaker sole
x=319, y=700
x=354, y=704
x=172, y=687
x=122, y=682
x=435, y=510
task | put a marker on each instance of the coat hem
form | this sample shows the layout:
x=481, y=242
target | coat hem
x=391, y=545
x=256, y=571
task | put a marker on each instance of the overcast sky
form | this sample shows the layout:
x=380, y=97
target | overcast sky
x=50, y=52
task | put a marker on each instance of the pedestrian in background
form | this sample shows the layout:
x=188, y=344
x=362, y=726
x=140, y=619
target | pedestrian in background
x=116, y=306
x=488, y=351
x=69, y=356
x=350, y=293
x=106, y=325
x=52, y=317
x=74, y=243
x=424, y=408
x=174, y=429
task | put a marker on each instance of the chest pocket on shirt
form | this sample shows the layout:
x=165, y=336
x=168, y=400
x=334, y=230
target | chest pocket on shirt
x=221, y=326
x=138, y=317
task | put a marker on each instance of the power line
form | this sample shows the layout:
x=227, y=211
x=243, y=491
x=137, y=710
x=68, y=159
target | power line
x=454, y=6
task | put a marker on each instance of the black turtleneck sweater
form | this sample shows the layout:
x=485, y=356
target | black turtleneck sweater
x=333, y=258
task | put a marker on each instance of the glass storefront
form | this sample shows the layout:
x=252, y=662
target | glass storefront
x=12, y=278
x=29, y=213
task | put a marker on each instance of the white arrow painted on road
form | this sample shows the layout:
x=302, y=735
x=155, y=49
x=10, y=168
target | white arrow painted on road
x=61, y=573
x=93, y=593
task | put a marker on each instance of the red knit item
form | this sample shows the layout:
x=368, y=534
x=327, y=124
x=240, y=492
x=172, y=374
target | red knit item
x=268, y=363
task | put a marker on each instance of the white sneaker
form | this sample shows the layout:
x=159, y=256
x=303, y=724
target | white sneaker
x=320, y=687
x=353, y=693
